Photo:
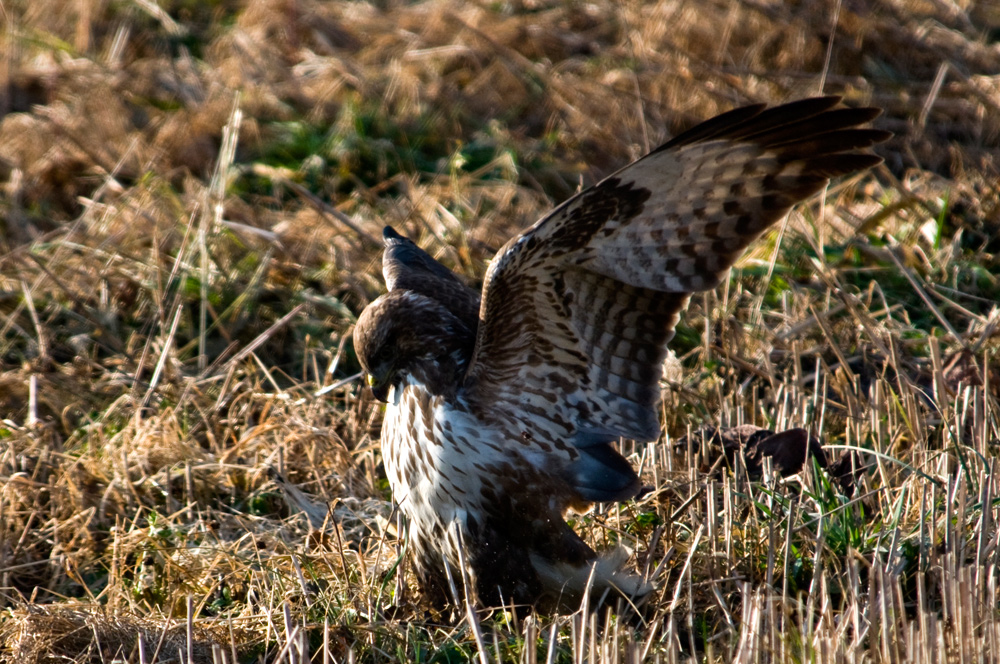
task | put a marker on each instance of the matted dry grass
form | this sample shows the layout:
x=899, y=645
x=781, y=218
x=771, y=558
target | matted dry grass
x=191, y=196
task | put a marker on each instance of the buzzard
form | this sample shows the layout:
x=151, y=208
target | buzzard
x=503, y=408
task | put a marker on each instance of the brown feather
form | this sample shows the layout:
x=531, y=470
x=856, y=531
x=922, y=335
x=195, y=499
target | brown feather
x=503, y=412
x=656, y=231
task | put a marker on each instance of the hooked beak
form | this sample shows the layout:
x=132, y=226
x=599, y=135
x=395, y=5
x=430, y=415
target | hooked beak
x=381, y=392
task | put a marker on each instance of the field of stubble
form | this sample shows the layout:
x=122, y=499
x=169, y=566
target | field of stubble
x=192, y=194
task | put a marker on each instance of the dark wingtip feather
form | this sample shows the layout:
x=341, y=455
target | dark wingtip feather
x=798, y=129
x=791, y=123
x=408, y=267
x=833, y=165
x=712, y=128
x=749, y=120
x=823, y=137
x=785, y=114
x=834, y=142
x=389, y=235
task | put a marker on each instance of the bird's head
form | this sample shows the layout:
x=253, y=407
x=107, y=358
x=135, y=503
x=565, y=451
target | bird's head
x=405, y=334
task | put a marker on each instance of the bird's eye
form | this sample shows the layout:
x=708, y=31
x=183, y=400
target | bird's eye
x=382, y=358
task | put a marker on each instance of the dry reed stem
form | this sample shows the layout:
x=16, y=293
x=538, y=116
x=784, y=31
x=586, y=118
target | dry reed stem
x=179, y=273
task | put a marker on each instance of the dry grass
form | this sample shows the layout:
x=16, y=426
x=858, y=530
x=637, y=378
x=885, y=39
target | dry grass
x=190, y=196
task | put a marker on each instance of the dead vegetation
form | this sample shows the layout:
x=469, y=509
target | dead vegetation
x=190, y=196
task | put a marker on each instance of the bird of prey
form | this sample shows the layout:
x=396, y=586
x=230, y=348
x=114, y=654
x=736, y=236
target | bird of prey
x=503, y=408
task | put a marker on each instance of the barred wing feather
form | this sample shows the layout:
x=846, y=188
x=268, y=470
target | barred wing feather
x=577, y=311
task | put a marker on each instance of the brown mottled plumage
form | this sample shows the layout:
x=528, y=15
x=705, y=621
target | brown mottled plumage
x=503, y=412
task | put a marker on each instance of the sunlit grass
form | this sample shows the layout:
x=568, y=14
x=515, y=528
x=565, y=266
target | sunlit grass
x=186, y=465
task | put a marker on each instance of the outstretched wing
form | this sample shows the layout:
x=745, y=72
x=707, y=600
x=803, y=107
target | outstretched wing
x=577, y=311
x=406, y=266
